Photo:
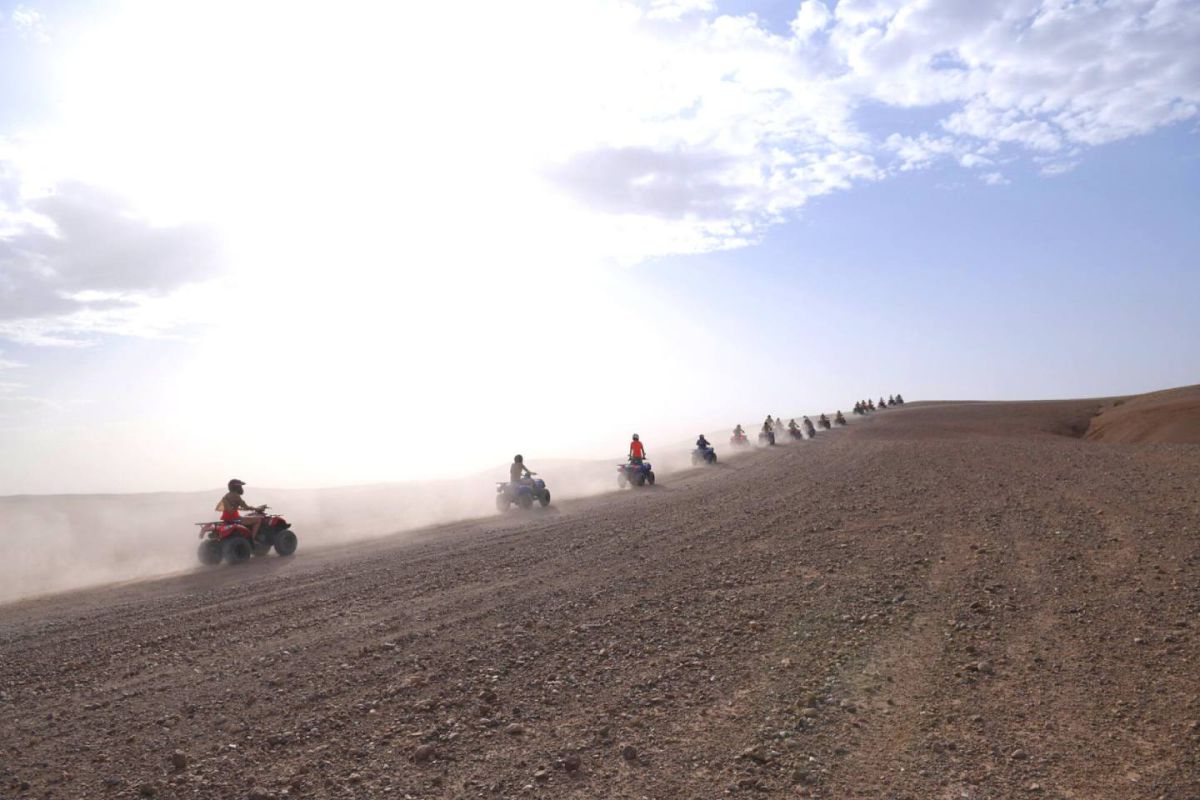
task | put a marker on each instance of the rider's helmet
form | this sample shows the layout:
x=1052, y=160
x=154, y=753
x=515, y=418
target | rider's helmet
x=518, y=458
x=635, y=437
x=236, y=486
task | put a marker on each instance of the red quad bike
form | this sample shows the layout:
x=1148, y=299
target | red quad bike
x=231, y=541
x=739, y=440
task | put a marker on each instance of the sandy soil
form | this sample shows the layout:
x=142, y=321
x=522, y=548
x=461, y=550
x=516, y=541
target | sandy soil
x=1169, y=416
x=944, y=601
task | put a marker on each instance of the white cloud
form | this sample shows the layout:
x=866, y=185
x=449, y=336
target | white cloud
x=627, y=129
x=813, y=16
x=30, y=24
x=994, y=179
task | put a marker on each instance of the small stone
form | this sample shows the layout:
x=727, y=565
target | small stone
x=515, y=729
x=147, y=790
x=571, y=763
x=629, y=753
x=754, y=754
x=423, y=753
x=1018, y=755
x=179, y=760
x=985, y=667
x=541, y=774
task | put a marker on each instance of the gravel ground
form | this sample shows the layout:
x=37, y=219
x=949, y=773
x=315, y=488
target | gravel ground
x=959, y=600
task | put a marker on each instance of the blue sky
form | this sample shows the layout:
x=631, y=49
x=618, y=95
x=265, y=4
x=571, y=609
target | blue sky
x=569, y=220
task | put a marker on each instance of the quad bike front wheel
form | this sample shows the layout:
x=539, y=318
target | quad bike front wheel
x=237, y=550
x=210, y=552
x=285, y=543
x=650, y=478
x=261, y=543
x=525, y=500
x=544, y=499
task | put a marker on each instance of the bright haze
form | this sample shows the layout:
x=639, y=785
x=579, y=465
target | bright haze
x=323, y=244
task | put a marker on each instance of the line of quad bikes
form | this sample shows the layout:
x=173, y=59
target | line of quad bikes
x=234, y=543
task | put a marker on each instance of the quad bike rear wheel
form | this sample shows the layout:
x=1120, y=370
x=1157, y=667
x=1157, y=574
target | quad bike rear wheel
x=650, y=478
x=639, y=479
x=210, y=552
x=237, y=549
x=285, y=543
x=524, y=500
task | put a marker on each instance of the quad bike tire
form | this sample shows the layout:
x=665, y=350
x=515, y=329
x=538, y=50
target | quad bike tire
x=650, y=478
x=286, y=543
x=237, y=550
x=544, y=498
x=501, y=503
x=209, y=552
x=261, y=543
x=639, y=479
x=524, y=500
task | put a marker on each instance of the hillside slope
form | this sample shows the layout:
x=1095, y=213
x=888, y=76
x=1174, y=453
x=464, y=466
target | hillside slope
x=947, y=601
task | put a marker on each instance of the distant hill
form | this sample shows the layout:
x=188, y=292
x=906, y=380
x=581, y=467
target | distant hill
x=1172, y=415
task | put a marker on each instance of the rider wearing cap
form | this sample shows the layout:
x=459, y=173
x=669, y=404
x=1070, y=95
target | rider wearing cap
x=637, y=451
x=232, y=503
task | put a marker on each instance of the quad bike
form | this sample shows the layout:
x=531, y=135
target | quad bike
x=635, y=474
x=810, y=429
x=522, y=494
x=839, y=420
x=231, y=541
x=739, y=440
x=704, y=455
x=825, y=423
x=795, y=432
x=766, y=438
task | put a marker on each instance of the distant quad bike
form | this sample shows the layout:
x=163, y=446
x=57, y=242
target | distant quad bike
x=739, y=440
x=231, y=541
x=795, y=432
x=839, y=421
x=825, y=423
x=635, y=474
x=522, y=494
x=704, y=455
x=766, y=438
x=810, y=429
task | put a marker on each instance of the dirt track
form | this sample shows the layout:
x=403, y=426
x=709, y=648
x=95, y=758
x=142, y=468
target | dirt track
x=945, y=601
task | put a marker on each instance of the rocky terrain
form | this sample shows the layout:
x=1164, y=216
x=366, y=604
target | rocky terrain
x=956, y=600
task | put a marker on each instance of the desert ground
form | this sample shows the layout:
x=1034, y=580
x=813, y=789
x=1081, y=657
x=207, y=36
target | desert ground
x=946, y=600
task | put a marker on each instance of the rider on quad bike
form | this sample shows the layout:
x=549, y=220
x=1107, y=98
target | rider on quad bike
x=637, y=451
x=232, y=503
x=517, y=471
x=899, y=399
x=739, y=430
x=808, y=428
x=838, y=419
x=702, y=443
x=824, y=422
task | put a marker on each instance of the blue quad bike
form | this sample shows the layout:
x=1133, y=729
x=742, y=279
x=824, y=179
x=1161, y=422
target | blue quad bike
x=522, y=494
x=704, y=455
x=635, y=474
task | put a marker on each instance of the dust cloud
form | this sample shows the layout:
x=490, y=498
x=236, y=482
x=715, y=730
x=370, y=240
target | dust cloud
x=55, y=543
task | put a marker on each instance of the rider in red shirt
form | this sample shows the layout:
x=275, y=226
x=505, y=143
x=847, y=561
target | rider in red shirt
x=636, y=451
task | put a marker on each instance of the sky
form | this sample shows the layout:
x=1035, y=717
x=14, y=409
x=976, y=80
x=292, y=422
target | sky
x=314, y=245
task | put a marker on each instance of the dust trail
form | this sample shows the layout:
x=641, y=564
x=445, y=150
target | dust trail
x=57, y=543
